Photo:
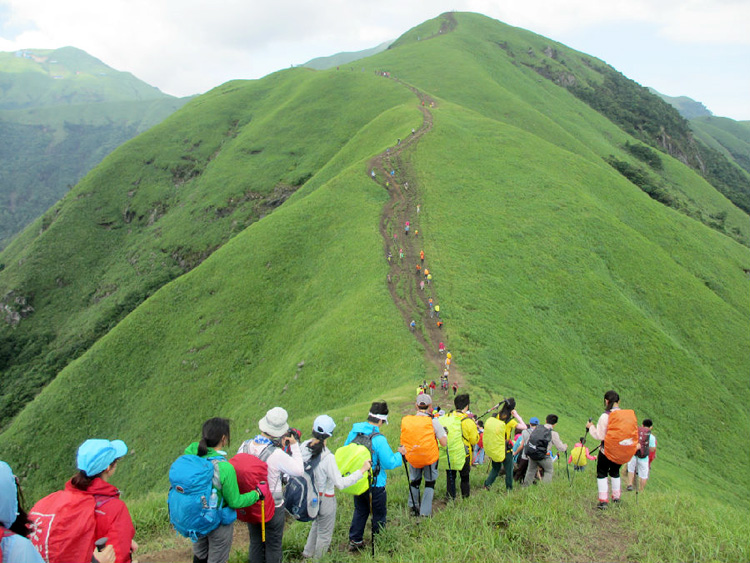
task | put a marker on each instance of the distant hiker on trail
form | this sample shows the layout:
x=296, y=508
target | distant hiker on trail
x=401, y=253
x=412, y=325
x=447, y=363
x=416, y=233
x=418, y=207
x=440, y=324
x=388, y=277
x=523, y=461
x=618, y=432
x=413, y=131
x=441, y=347
x=426, y=273
x=393, y=172
x=429, y=305
x=274, y=436
x=640, y=461
x=579, y=456
x=433, y=386
x=389, y=257
x=59, y=535
x=421, y=285
x=382, y=458
x=420, y=435
x=398, y=142
x=478, y=458
x=421, y=256
x=462, y=435
x=327, y=478
x=539, y=448
x=455, y=387
x=372, y=174
x=437, y=311
x=429, y=278
x=406, y=228
x=15, y=523
x=499, y=431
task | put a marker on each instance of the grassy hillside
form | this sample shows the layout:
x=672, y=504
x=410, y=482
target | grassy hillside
x=730, y=137
x=687, y=107
x=61, y=113
x=230, y=260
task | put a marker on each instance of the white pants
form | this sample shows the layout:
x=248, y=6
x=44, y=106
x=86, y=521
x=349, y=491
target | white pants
x=642, y=463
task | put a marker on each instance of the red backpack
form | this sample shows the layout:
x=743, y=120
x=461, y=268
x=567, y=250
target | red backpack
x=252, y=473
x=644, y=437
x=64, y=526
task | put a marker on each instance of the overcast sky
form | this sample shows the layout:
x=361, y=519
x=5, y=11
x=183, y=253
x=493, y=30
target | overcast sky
x=696, y=48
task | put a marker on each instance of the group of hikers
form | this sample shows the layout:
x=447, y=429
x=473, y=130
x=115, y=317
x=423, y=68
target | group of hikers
x=87, y=521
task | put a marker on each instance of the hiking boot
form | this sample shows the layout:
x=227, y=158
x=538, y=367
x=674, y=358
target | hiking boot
x=630, y=487
x=616, y=501
x=602, y=505
x=356, y=546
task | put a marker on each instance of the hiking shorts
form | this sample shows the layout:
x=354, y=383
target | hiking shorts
x=641, y=463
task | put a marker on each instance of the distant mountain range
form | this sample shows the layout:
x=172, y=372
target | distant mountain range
x=61, y=112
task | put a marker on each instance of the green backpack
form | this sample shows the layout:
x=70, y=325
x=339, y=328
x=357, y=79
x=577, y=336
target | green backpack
x=349, y=458
x=453, y=456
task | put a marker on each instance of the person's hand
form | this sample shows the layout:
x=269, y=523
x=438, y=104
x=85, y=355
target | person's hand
x=106, y=555
x=366, y=466
x=589, y=425
x=133, y=546
x=261, y=496
x=402, y=450
x=514, y=413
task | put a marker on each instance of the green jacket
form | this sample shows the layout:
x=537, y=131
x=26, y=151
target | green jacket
x=230, y=491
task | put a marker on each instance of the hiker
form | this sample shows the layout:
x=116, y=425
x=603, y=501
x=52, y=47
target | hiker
x=437, y=311
x=523, y=461
x=421, y=252
x=440, y=324
x=455, y=387
x=401, y=253
x=430, y=305
x=276, y=435
x=478, y=458
x=389, y=257
x=14, y=522
x=538, y=450
x=640, y=463
x=418, y=208
x=421, y=285
x=447, y=363
x=216, y=544
x=418, y=268
x=96, y=461
x=459, y=458
x=406, y=228
x=383, y=458
x=416, y=233
x=498, y=431
x=441, y=347
x=412, y=325
x=327, y=478
x=608, y=463
x=426, y=273
x=420, y=435
x=433, y=386
x=372, y=173
x=579, y=456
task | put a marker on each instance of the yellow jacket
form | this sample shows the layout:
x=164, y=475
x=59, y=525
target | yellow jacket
x=494, y=439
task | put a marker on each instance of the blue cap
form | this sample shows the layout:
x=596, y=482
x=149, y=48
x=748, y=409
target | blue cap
x=534, y=420
x=94, y=456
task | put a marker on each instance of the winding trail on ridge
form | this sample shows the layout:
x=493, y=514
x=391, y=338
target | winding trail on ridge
x=404, y=190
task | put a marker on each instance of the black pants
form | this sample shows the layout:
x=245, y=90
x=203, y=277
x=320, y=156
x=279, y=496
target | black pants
x=606, y=467
x=451, y=480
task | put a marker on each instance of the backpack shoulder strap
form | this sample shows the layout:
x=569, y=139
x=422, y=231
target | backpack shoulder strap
x=217, y=475
x=266, y=452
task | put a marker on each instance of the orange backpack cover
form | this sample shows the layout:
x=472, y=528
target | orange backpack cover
x=418, y=437
x=621, y=440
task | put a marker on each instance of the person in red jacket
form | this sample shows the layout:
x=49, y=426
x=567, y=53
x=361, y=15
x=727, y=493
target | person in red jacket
x=97, y=463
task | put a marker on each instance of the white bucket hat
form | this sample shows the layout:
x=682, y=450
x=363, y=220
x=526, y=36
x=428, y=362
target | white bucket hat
x=274, y=423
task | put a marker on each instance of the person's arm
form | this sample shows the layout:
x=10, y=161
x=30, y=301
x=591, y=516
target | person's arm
x=230, y=490
x=599, y=430
x=114, y=522
x=558, y=443
x=588, y=455
x=339, y=481
x=387, y=458
x=293, y=464
x=521, y=423
x=440, y=434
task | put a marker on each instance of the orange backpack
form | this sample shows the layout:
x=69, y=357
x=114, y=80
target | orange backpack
x=621, y=440
x=418, y=437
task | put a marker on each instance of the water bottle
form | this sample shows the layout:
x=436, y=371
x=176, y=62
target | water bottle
x=213, y=500
x=315, y=502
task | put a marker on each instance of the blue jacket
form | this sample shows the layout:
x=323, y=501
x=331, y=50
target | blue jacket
x=381, y=451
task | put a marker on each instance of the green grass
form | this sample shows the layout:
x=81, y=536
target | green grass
x=557, y=280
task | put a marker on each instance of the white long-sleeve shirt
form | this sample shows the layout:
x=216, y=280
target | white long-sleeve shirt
x=600, y=430
x=278, y=463
x=327, y=475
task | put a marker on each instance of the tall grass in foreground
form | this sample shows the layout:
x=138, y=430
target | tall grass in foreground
x=555, y=522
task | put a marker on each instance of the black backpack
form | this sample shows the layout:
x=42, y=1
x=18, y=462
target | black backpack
x=536, y=447
x=366, y=441
x=301, y=496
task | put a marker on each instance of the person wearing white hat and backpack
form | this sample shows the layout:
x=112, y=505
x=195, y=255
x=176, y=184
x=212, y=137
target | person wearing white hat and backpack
x=327, y=478
x=274, y=434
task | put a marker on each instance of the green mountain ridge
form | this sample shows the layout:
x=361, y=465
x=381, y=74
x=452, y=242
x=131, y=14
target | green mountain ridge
x=229, y=259
x=61, y=112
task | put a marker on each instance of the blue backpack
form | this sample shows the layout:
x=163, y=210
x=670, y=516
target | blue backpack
x=194, y=510
x=301, y=498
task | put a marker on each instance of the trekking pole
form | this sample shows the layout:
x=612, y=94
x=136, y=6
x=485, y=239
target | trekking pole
x=372, y=518
x=263, y=516
x=497, y=406
x=567, y=466
x=636, y=483
x=411, y=493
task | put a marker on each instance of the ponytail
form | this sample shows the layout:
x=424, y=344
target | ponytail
x=214, y=429
x=81, y=481
x=202, y=448
x=611, y=397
